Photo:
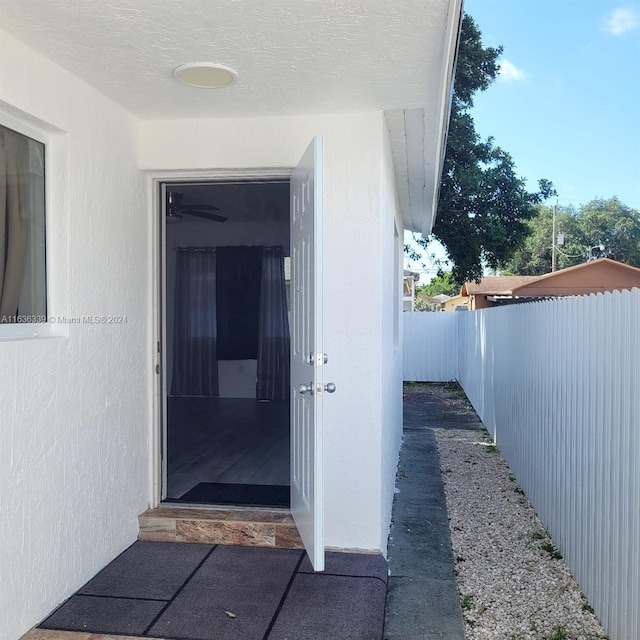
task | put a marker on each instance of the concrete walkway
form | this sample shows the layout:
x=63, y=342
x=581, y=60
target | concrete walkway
x=422, y=597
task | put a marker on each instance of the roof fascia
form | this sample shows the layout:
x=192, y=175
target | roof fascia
x=418, y=146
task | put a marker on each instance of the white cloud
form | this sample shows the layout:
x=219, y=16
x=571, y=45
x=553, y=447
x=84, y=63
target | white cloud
x=620, y=21
x=509, y=72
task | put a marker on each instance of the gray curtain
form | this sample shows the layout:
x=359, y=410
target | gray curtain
x=273, y=338
x=14, y=219
x=195, y=366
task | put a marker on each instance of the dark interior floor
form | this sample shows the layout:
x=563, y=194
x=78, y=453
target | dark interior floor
x=226, y=440
x=207, y=592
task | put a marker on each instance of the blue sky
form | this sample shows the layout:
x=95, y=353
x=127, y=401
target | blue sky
x=566, y=105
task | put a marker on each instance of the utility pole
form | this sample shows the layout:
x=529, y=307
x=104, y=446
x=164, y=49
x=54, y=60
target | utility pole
x=553, y=241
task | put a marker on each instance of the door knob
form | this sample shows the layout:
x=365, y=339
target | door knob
x=330, y=387
x=305, y=388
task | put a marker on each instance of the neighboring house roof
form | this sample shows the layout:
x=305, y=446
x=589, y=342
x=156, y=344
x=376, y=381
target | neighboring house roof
x=441, y=298
x=595, y=276
x=457, y=299
x=424, y=298
x=495, y=285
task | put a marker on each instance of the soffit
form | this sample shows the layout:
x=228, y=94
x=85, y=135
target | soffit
x=293, y=56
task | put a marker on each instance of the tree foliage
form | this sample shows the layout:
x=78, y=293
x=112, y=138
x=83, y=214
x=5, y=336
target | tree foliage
x=483, y=206
x=607, y=223
x=441, y=284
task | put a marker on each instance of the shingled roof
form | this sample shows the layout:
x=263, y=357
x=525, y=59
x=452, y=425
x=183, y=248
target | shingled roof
x=495, y=285
x=595, y=276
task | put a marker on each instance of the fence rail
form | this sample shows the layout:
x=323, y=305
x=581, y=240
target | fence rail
x=557, y=385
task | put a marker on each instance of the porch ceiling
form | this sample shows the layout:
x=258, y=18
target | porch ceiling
x=293, y=57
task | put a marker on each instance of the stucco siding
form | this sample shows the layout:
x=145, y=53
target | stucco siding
x=392, y=338
x=74, y=408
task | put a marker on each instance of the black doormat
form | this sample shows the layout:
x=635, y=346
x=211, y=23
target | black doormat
x=254, y=495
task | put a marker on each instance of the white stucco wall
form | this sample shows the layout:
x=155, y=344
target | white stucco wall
x=74, y=414
x=75, y=410
x=391, y=345
x=354, y=302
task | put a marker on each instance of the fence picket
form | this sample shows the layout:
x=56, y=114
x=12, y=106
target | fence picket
x=430, y=347
x=556, y=383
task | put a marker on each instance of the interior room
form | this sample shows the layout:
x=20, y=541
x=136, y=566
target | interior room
x=227, y=342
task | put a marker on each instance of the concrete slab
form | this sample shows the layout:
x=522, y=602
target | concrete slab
x=422, y=597
x=423, y=609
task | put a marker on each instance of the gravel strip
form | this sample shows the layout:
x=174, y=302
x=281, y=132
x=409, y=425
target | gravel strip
x=512, y=581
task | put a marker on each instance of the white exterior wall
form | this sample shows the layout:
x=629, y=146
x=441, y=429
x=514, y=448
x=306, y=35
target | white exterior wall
x=354, y=302
x=75, y=409
x=74, y=414
x=390, y=269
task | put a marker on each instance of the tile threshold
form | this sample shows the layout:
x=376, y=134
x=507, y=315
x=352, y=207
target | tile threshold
x=214, y=524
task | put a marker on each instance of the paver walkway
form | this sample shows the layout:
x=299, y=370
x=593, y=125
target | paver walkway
x=422, y=600
x=215, y=592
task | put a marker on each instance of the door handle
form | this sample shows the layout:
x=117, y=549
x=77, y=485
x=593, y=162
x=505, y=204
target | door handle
x=330, y=387
x=305, y=388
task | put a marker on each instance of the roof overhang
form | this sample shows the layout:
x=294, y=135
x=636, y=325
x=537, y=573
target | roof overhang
x=293, y=58
x=418, y=139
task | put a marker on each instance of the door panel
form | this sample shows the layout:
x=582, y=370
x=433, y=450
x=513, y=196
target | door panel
x=161, y=345
x=307, y=489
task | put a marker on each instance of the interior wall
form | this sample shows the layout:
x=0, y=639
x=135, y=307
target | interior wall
x=74, y=409
x=353, y=308
x=237, y=378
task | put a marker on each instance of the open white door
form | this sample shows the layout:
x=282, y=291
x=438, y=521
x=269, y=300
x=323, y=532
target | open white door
x=161, y=348
x=307, y=358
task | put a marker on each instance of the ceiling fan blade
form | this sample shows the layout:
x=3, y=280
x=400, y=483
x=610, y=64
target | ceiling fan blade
x=207, y=207
x=201, y=214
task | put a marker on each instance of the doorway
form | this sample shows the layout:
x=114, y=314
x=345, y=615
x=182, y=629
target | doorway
x=226, y=342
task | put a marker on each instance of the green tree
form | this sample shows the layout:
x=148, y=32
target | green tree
x=533, y=257
x=483, y=206
x=607, y=223
x=442, y=283
x=613, y=225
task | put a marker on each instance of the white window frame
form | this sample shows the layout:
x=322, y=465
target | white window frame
x=27, y=331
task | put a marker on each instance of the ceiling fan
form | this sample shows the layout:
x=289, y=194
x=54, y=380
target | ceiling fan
x=176, y=210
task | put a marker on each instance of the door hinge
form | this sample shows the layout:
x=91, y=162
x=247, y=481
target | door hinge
x=158, y=369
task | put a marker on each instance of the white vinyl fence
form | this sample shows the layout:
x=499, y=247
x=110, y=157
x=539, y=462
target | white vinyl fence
x=430, y=347
x=557, y=384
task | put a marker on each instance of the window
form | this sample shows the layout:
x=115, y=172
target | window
x=23, y=286
x=238, y=283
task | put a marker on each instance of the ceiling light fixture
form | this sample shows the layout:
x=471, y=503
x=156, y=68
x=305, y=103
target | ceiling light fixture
x=206, y=75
